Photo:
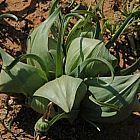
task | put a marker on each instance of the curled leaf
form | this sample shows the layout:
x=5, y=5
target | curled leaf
x=120, y=93
x=8, y=16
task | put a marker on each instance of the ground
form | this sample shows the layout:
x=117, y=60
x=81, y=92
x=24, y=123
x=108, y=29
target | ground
x=20, y=120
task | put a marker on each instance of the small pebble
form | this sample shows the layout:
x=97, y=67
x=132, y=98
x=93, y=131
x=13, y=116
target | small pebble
x=41, y=18
x=37, y=4
x=45, y=9
x=23, y=23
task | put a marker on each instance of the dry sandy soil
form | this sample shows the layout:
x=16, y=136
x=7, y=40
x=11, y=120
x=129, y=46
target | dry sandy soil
x=21, y=120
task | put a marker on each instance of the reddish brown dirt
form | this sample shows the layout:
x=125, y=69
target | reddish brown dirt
x=13, y=37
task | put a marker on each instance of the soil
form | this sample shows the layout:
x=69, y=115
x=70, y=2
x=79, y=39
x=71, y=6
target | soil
x=17, y=121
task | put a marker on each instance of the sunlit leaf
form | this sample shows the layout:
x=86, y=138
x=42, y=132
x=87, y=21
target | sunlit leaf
x=39, y=42
x=83, y=48
x=64, y=92
x=22, y=78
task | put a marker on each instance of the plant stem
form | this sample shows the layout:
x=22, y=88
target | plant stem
x=59, y=64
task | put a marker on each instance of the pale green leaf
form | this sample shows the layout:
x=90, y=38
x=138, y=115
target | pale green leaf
x=22, y=78
x=7, y=15
x=82, y=49
x=64, y=92
x=82, y=26
x=39, y=42
x=121, y=93
x=26, y=56
x=80, y=70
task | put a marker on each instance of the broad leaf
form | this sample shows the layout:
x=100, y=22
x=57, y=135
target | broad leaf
x=22, y=78
x=80, y=70
x=39, y=42
x=82, y=49
x=78, y=30
x=121, y=93
x=66, y=92
x=40, y=104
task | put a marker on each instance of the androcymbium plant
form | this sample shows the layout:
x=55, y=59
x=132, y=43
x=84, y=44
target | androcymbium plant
x=70, y=73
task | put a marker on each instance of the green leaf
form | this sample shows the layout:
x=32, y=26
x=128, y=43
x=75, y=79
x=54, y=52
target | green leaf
x=97, y=30
x=122, y=28
x=64, y=92
x=43, y=125
x=54, y=5
x=82, y=49
x=74, y=32
x=82, y=25
x=22, y=78
x=121, y=93
x=59, y=60
x=25, y=56
x=8, y=16
x=39, y=104
x=40, y=44
x=131, y=68
x=80, y=70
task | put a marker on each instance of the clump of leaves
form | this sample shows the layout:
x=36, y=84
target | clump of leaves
x=61, y=77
